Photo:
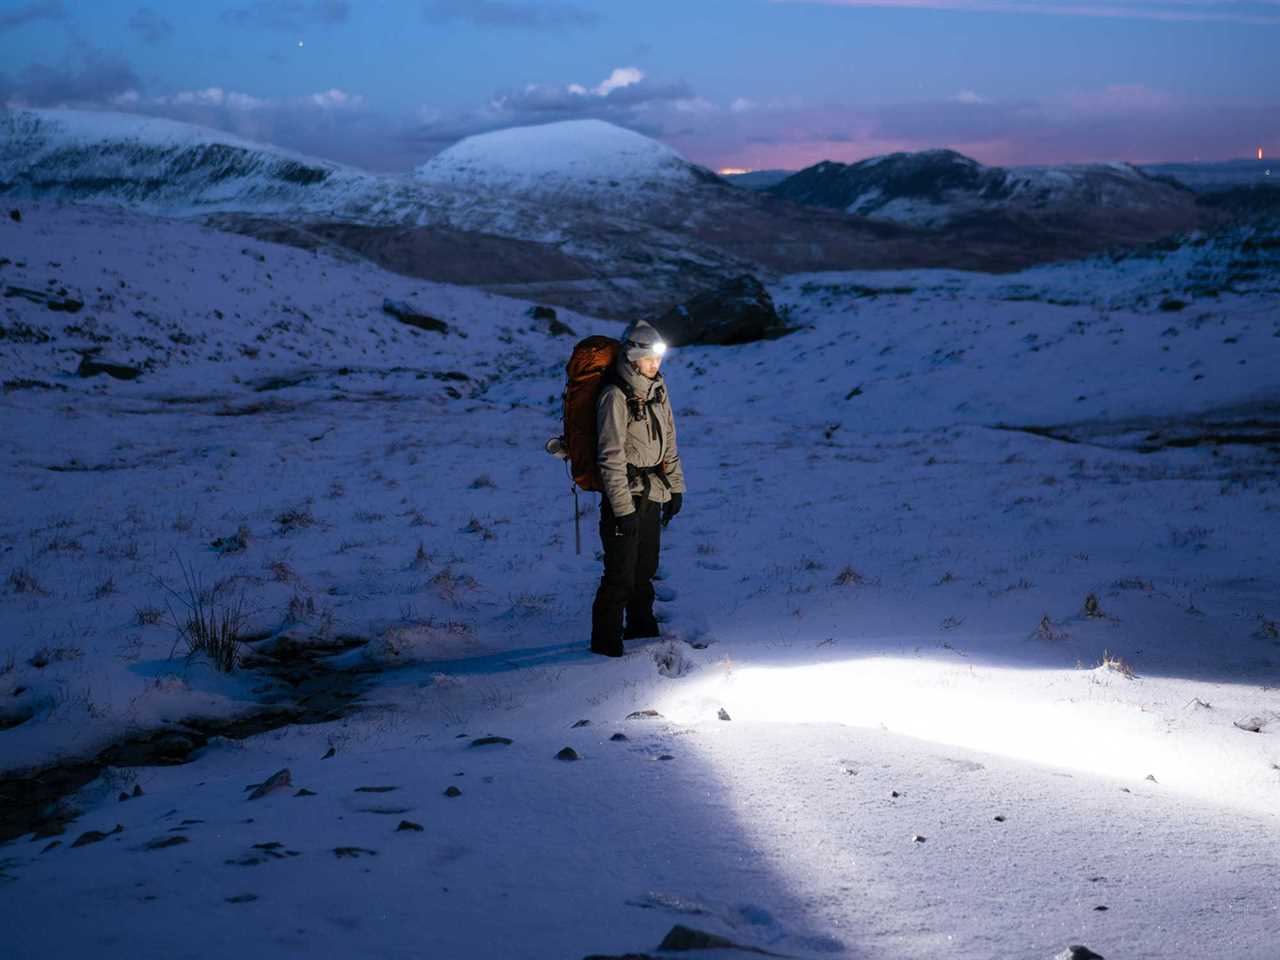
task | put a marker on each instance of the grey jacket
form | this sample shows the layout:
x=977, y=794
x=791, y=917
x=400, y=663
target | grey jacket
x=645, y=439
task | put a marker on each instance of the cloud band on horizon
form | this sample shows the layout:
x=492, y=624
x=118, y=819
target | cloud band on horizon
x=1257, y=12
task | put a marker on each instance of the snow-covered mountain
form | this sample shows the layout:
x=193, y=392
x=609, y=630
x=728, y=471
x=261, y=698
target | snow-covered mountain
x=588, y=161
x=181, y=170
x=935, y=188
x=585, y=214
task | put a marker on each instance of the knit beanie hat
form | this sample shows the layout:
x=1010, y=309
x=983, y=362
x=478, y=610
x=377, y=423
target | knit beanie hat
x=641, y=340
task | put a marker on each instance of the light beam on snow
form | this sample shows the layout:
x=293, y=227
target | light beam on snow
x=1065, y=719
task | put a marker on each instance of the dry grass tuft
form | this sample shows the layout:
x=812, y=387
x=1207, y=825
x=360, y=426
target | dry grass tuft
x=1121, y=666
x=23, y=580
x=1049, y=631
x=211, y=626
x=849, y=576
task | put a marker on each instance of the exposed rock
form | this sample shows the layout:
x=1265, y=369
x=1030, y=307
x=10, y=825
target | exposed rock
x=137, y=790
x=1078, y=951
x=375, y=789
x=304, y=792
x=724, y=714
x=1250, y=724
x=95, y=836
x=409, y=825
x=243, y=898
x=568, y=754
x=686, y=938
x=740, y=311
x=492, y=741
x=277, y=781
x=619, y=737
x=58, y=302
x=644, y=715
x=581, y=723
x=406, y=314
x=453, y=792
x=554, y=326
x=119, y=371
x=918, y=838
x=353, y=853
x=15, y=216
x=329, y=753
x=171, y=841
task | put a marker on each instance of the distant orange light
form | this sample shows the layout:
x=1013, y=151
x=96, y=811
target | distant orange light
x=733, y=171
x=1259, y=153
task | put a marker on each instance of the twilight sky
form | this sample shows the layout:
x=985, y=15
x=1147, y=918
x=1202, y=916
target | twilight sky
x=730, y=83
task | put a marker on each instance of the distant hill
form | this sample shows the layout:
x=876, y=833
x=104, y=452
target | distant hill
x=758, y=179
x=937, y=188
x=1205, y=177
x=589, y=215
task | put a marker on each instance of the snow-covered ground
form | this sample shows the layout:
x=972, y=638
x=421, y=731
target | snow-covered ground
x=936, y=743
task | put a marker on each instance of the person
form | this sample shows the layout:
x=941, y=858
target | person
x=642, y=484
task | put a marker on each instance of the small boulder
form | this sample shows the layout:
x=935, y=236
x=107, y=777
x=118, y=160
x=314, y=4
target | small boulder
x=118, y=371
x=95, y=836
x=568, y=755
x=554, y=326
x=15, y=216
x=453, y=792
x=644, y=715
x=740, y=311
x=173, y=840
x=407, y=315
x=1078, y=951
x=277, y=781
x=410, y=826
x=492, y=742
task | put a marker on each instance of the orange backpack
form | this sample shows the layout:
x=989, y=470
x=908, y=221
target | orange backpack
x=591, y=360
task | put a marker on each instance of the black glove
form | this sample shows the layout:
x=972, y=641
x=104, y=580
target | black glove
x=672, y=507
x=628, y=525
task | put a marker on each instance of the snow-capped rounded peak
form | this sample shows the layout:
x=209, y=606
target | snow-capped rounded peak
x=586, y=152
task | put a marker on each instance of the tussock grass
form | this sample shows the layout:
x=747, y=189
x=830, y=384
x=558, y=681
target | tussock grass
x=296, y=518
x=1118, y=664
x=208, y=624
x=149, y=616
x=23, y=580
x=849, y=577
x=1049, y=631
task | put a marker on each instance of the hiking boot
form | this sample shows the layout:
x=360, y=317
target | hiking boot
x=641, y=631
x=607, y=649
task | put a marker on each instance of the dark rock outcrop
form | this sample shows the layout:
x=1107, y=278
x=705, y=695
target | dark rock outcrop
x=120, y=371
x=740, y=311
x=407, y=315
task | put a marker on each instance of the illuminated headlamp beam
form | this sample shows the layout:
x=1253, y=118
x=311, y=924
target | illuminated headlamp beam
x=659, y=348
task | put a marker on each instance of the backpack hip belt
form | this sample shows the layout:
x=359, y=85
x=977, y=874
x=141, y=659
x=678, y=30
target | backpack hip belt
x=635, y=473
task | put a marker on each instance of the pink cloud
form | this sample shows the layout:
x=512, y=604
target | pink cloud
x=1257, y=12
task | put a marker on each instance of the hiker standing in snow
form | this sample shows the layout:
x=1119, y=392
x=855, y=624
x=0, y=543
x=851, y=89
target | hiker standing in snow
x=643, y=487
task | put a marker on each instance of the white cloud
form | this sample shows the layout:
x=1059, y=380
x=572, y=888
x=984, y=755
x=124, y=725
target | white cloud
x=620, y=78
x=968, y=96
x=742, y=105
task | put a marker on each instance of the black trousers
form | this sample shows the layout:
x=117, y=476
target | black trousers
x=627, y=584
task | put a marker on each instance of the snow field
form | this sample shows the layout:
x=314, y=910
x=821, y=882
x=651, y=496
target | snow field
x=884, y=592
